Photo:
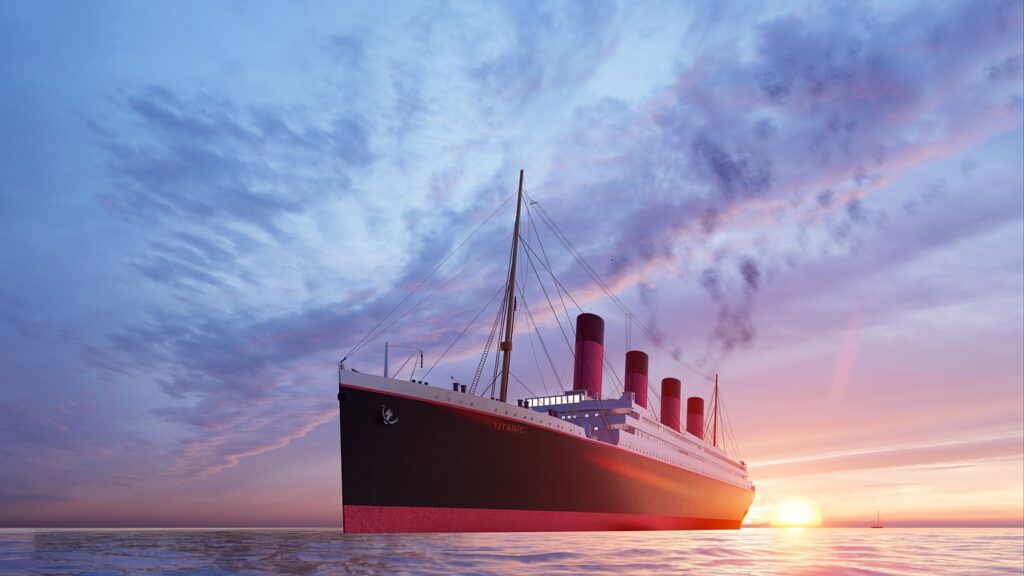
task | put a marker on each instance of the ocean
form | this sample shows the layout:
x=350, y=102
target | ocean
x=762, y=551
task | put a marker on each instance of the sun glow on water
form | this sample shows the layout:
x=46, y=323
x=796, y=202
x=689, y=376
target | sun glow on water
x=796, y=513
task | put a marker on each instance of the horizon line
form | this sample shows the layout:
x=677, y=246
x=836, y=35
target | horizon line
x=1019, y=524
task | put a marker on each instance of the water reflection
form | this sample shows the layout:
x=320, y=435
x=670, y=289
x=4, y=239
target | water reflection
x=748, y=551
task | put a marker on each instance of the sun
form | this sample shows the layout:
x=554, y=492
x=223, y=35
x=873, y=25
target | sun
x=796, y=513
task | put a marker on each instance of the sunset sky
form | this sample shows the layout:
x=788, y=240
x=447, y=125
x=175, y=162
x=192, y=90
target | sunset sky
x=204, y=206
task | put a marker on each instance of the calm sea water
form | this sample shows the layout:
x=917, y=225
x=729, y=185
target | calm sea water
x=748, y=551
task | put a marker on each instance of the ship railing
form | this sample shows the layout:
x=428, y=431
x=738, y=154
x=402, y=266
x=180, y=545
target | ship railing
x=693, y=463
x=688, y=456
x=704, y=448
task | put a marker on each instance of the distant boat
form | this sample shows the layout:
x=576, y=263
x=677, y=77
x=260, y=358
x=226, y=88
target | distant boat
x=878, y=521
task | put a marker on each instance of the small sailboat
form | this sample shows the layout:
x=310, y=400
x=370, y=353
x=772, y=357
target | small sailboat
x=878, y=521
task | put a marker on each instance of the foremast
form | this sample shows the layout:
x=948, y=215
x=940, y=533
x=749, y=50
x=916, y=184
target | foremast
x=510, y=300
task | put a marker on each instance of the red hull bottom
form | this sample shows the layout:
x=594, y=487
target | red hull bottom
x=362, y=519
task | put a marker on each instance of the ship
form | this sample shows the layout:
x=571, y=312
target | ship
x=417, y=457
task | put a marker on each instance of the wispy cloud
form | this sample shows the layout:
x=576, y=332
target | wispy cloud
x=832, y=106
x=959, y=451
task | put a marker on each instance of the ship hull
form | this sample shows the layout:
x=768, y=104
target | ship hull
x=434, y=467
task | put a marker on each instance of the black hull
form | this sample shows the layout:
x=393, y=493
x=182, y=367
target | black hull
x=451, y=468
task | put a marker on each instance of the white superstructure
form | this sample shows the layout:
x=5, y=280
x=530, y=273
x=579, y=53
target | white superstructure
x=623, y=423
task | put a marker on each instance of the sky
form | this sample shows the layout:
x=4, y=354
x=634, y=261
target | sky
x=204, y=206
